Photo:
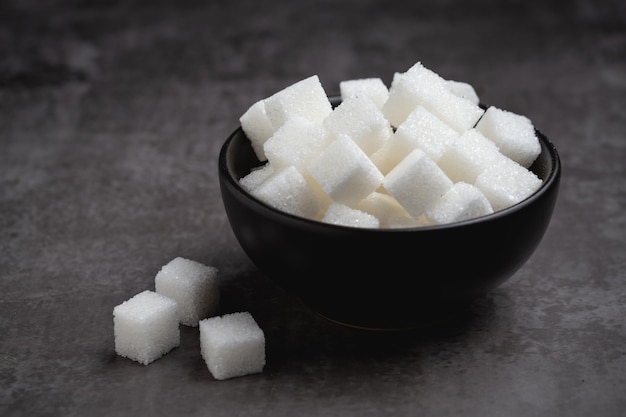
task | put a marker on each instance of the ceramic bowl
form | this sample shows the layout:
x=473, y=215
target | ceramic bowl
x=385, y=278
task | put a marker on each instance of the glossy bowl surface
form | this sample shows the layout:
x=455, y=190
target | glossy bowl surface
x=385, y=278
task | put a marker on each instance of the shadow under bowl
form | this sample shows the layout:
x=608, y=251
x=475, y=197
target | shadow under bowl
x=385, y=278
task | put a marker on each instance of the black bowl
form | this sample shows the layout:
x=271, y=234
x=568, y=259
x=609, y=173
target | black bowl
x=385, y=278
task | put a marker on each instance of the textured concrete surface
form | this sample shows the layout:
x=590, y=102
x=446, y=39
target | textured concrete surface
x=112, y=115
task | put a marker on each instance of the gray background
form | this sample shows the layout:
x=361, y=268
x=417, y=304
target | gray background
x=112, y=114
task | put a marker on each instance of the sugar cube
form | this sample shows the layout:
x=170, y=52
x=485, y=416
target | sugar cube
x=146, y=327
x=295, y=143
x=340, y=214
x=463, y=89
x=420, y=85
x=305, y=98
x=513, y=133
x=288, y=190
x=232, y=345
x=467, y=156
x=421, y=129
x=345, y=172
x=374, y=88
x=358, y=117
x=257, y=127
x=385, y=208
x=506, y=183
x=256, y=177
x=192, y=285
x=416, y=182
x=461, y=202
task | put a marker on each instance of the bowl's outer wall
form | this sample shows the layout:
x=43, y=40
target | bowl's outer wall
x=384, y=278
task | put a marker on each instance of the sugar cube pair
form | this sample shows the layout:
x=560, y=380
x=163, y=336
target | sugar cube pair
x=146, y=326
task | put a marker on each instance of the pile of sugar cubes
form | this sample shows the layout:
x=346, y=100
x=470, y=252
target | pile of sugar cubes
x=421, y=152
x=146, y=326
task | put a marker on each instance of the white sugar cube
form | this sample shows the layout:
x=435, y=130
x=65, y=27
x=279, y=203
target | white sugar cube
x=289, y=191
x=421, y=86
x=257, y=127
x=295, y=143
x=461, y=202
x=421, y=129
x=506, y=183
x=340, y=214
x=416, y=182
x=374, y=88
x=305, y=98
x=232, y=345
x=463, y=89
x=513, y=133
x=468, y=156
x=345, y=172
x=385, y=208
x=256, y=177
x=192, y=285
x=146, y=327
x=358, y=117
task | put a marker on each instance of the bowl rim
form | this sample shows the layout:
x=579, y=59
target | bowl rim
x=553, y=176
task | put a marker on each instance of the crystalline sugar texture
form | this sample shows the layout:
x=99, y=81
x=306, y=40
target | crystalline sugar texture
x=464, y=90
x=289, y=191
x=345, y=172
x=146, y=327
x=255, y=177
x=295, y=143
x=385, y=208
x=232, y=345
x=257, y=127
x=513, y=133
x=461, y=202
x=192, y=285
x=305, y=98
x=506, y=183
x=340, y=214
x=421, y=86
x=421, y=129
x=417, y=182
x=466, y=157
x=359, y=118
x=374, y=88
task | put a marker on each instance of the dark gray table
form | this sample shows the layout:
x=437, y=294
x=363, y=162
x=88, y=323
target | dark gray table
x=111, y=120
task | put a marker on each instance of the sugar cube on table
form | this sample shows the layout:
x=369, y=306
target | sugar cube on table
x=461, y=202
x=358, y=117
x=417, y=182
x=193, y=286
x=146, y=327
x=421, y=129
x=345, y=172
x=506, y=183
x=374, y=88
x=295, y=143
x=232, y=345
x=340, y=214
x=467, y=156
x=513, y=134
x=305, y=98
x=288, y=190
